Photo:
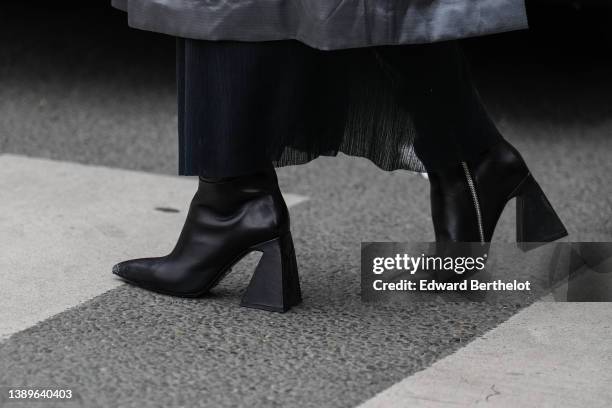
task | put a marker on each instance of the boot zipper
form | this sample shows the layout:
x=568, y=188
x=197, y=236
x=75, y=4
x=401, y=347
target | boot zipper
x=472, y=188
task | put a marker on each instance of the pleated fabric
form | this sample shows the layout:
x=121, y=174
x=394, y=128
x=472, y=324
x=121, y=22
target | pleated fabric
x=243, y=105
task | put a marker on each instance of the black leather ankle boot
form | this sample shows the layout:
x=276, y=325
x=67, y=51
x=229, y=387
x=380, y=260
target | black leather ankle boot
x=467, y=200
x=227, y=219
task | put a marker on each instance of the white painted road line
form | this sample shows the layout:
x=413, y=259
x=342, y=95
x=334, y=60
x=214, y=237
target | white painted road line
x=63, y=226
x=548, y=355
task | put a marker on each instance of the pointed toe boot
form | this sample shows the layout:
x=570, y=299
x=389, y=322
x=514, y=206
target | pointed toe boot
x=228, y=219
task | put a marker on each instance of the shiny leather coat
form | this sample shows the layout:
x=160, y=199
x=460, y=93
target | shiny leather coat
x=327, y=24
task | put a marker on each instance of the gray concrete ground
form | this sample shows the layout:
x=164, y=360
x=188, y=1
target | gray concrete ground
x=86, y=94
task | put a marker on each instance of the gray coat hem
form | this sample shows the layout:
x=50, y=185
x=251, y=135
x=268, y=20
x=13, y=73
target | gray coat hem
x=343, y=27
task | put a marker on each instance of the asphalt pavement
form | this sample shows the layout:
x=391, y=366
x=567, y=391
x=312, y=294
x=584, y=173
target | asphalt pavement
x=77, y=90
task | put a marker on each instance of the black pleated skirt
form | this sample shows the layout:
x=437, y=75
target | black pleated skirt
x=243, y=105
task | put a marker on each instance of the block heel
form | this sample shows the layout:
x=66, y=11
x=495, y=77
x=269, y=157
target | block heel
x=275, y=285
x=469, y=197
x=536, y=220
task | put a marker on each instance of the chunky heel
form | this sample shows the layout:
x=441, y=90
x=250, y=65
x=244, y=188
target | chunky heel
x=275, y=285
x=536, y=220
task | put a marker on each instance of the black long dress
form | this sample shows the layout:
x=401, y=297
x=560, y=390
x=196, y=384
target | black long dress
x=250, y=93
x=244, y=104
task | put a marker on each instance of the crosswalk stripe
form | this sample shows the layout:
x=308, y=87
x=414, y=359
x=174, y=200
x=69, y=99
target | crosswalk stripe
x=63, y=225
x=548, y=355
